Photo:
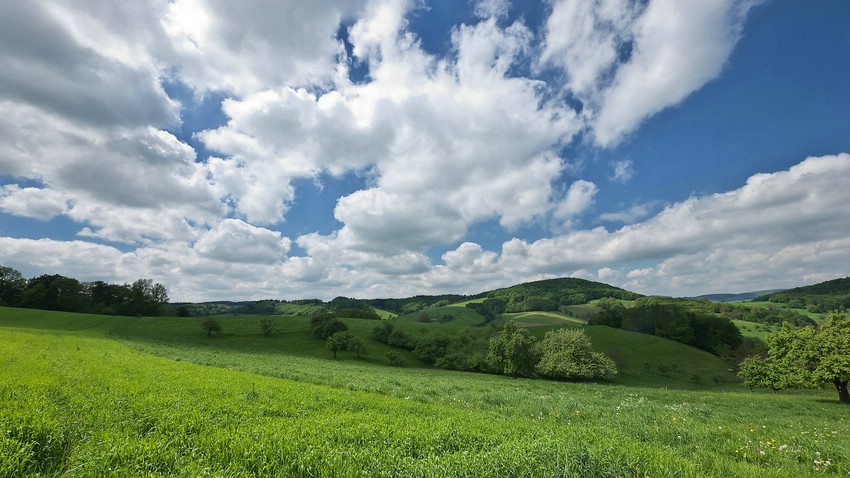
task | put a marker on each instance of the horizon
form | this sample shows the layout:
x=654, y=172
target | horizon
x=392, y=148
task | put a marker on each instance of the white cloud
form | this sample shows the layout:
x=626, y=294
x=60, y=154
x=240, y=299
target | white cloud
x=37, y=203
x=492, y=8
x=578, y=199
x=623, y=171
x=626, y=60
x=446, y=143
x=250, y=47
x=232, y=240
x=678, y=47
x=784, y=223
x=630, y=214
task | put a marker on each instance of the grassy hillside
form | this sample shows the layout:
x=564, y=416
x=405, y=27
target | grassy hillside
x=822, y=297
x=74, y=401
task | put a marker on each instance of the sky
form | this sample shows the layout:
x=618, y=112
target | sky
x=387, y=148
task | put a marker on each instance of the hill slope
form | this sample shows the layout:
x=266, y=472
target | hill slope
x=822, y=297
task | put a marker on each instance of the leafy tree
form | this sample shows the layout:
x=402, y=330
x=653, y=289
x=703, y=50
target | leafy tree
x=399, y=338
x=338, y=341
x=513, y=351
x=267, y=326
x=382, y=331
x=807, y=357
x=211, y=325
x=611, y=312
x=568, y=354
x=357, y=346
x=758, y=372
x=325, y=325
x=12, y=284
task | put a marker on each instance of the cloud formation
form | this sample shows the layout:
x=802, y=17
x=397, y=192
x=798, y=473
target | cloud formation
x=442, y=143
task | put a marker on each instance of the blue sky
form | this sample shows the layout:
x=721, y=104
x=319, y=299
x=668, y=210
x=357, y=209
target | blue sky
x=385, y=148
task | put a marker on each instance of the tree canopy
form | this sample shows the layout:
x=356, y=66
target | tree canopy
x=807, y=357
x=567, y=354
x=56, y=292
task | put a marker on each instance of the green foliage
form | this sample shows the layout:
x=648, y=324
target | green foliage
x=210, y=326
x=267, y=326
x=338, y=341
x=676, y=321
x=395, y=359
x=325, y=325
x=567, y=354
x=513, y=351
x=56, y=292
x=549, y=295
x=758, y=372
x=12, y=285
x=76, y=403
x=823, y=297
x=489, y=309
x=809, y=357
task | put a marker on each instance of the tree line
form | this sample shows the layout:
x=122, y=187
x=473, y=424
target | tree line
x=673, y=321
x=56, y=292
x=562, y=354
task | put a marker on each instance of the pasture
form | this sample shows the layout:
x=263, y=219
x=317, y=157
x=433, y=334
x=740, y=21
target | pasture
x=84, y=395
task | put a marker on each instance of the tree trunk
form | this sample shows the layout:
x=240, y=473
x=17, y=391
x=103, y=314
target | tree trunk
x=843, y=394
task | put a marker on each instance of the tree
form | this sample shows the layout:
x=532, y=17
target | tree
x=324, y=325
x=808, y=357
x=267, y=326
x=568, y=354
x=512, y=351
x=758, y=372
x=356, y=345
x=210, y=325
x=12, y=284
x=338, y=341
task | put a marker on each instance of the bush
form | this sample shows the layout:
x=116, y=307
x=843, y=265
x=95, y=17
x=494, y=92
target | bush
x=210, y=325
x=323, y=326
x=394, y=359
x=567, y=354
x=267, y=327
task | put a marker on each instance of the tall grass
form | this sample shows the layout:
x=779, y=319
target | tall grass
x=77, y=403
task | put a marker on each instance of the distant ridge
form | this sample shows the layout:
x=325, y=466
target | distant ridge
x=740, y=297
x=822, y=297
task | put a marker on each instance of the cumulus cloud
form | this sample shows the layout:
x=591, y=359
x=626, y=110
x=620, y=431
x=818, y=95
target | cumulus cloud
x=447, y=143
x=232, y=240
x=249, y=47
x=628, y=60
x=784, y=221
x=578, y=199
x=37, y=203
x=442, y=141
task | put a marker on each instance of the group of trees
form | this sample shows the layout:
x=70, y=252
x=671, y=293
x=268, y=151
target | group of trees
x=820, y=298
x=56, y=292
x=563, y=354
x=653, y=316
x=804, y=358
x=552, y=294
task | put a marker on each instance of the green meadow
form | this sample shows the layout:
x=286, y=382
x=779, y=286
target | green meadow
x=86, y=395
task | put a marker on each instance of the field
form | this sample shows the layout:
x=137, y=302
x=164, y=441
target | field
x=84, y=395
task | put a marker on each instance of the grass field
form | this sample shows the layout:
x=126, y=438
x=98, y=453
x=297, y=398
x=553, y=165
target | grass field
x=98, y=396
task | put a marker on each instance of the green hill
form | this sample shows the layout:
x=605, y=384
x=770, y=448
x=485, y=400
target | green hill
x=85, y=395
x=552, y=294
x=820, y=298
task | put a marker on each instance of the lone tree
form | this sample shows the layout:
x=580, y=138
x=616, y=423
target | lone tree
x=267, y=327
x=513, y=351
x=210, y=325
x=338, y=341
x=568, y=355
x=807, y=357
